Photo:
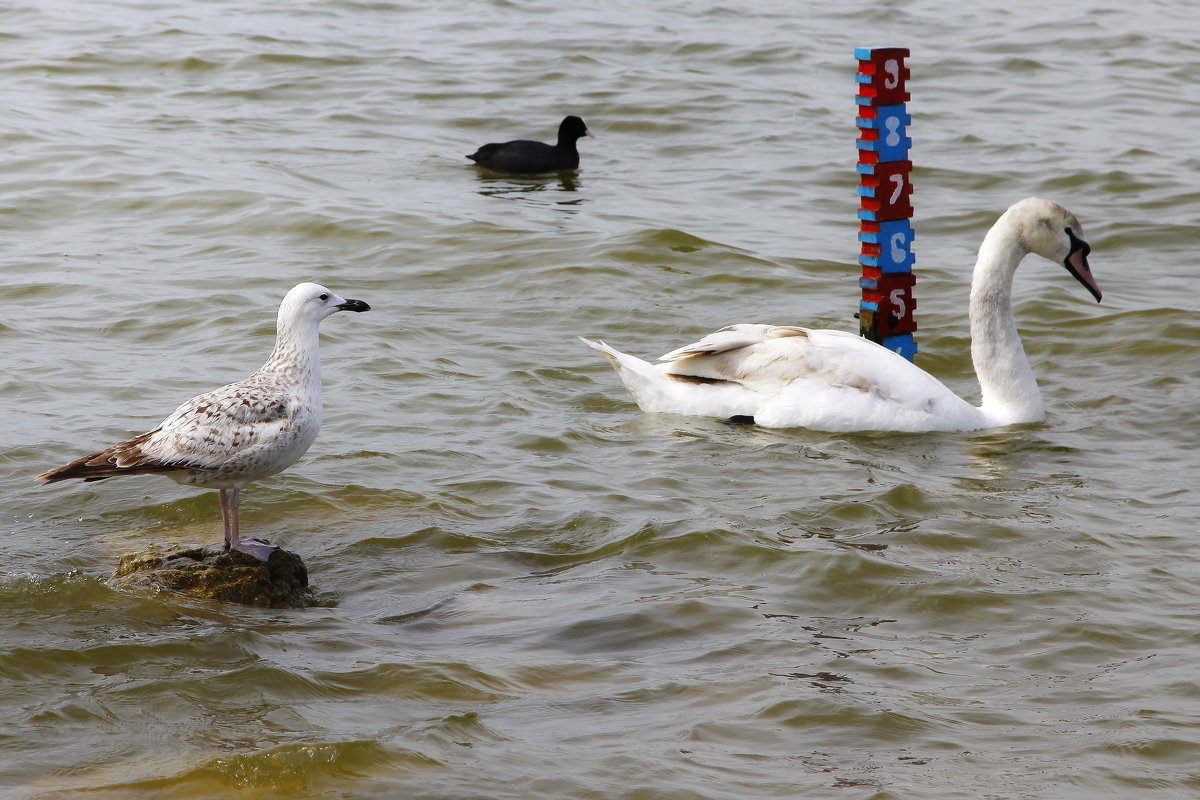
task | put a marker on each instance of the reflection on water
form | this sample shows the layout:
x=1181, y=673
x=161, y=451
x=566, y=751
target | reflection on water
x=527, y=188
x=999, y=455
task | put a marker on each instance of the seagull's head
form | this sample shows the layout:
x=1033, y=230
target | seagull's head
x=313, y=302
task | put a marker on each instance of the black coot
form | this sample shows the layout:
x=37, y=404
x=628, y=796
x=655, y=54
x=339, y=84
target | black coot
x=523, y=155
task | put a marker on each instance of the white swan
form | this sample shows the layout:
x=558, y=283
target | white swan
x=785, y=376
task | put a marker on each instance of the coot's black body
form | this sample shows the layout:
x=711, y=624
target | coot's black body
x=523, y=155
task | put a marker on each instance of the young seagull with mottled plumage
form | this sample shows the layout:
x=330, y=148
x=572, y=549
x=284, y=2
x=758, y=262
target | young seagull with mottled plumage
x=239, y=433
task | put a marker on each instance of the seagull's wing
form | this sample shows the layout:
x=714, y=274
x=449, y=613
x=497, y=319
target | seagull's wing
x=202, y=434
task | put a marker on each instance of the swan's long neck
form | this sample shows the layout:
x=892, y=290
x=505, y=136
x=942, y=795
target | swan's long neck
x=1010, y=392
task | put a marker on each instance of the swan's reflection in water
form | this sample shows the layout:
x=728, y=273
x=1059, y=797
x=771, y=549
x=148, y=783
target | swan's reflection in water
x=1004, y=459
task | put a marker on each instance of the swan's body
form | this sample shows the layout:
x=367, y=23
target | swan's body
x=241, y=432
x=784, y=376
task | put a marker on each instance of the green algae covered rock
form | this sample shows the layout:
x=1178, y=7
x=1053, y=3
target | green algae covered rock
x=210, y=573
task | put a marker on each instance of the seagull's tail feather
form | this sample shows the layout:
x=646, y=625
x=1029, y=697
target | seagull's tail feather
x=125, y=458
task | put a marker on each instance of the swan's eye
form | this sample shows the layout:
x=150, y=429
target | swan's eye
x=325, y=297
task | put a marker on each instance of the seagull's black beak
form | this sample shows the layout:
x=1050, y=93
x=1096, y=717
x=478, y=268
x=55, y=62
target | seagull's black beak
x=1076, y=263
x=353, y=305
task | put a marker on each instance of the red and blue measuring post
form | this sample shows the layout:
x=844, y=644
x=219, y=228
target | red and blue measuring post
x=885, y=312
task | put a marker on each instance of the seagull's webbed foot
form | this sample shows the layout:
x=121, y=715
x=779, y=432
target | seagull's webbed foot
x=259, y=548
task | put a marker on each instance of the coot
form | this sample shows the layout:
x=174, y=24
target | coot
x=523, y=155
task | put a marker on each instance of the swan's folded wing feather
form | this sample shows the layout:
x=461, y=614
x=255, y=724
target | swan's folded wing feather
x=850, y=360
x=758, y=356
x=733, y=337
x=767, y=358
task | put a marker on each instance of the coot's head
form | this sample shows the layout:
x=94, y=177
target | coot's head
x=571, y=129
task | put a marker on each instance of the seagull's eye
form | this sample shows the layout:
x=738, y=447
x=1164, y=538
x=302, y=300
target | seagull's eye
x=323, y=298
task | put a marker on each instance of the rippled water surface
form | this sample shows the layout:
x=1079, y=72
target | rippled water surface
x=531, y=589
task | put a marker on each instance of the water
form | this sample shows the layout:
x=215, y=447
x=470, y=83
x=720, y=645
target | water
x=531, y=589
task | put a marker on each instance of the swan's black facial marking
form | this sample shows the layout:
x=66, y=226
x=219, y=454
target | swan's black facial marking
x=1076, y=263
x=1078, y=244
x=740, y=419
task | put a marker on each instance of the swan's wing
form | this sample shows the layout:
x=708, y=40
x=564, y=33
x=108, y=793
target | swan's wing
x=733, y=337
x=768, y=358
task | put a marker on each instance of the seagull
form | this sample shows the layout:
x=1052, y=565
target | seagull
x=239, y=433
x=782, y=376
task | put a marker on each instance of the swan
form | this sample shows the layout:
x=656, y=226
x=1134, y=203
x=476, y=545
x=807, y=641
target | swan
x=782, y=376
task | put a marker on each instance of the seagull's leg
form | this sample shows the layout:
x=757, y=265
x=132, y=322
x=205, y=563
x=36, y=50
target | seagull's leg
x=230, y=533
x=231, y=527
x=259, y=548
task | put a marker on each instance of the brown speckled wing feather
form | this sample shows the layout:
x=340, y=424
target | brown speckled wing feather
x=123, y=458
x=202, y=434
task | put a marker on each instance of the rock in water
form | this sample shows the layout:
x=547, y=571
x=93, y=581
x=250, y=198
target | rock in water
x=210, y=573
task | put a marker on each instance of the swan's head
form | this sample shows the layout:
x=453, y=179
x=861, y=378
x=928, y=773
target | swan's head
x=1048, y=229
x=312, y=302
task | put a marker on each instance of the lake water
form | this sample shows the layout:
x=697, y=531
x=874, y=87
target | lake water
x=531, y=589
